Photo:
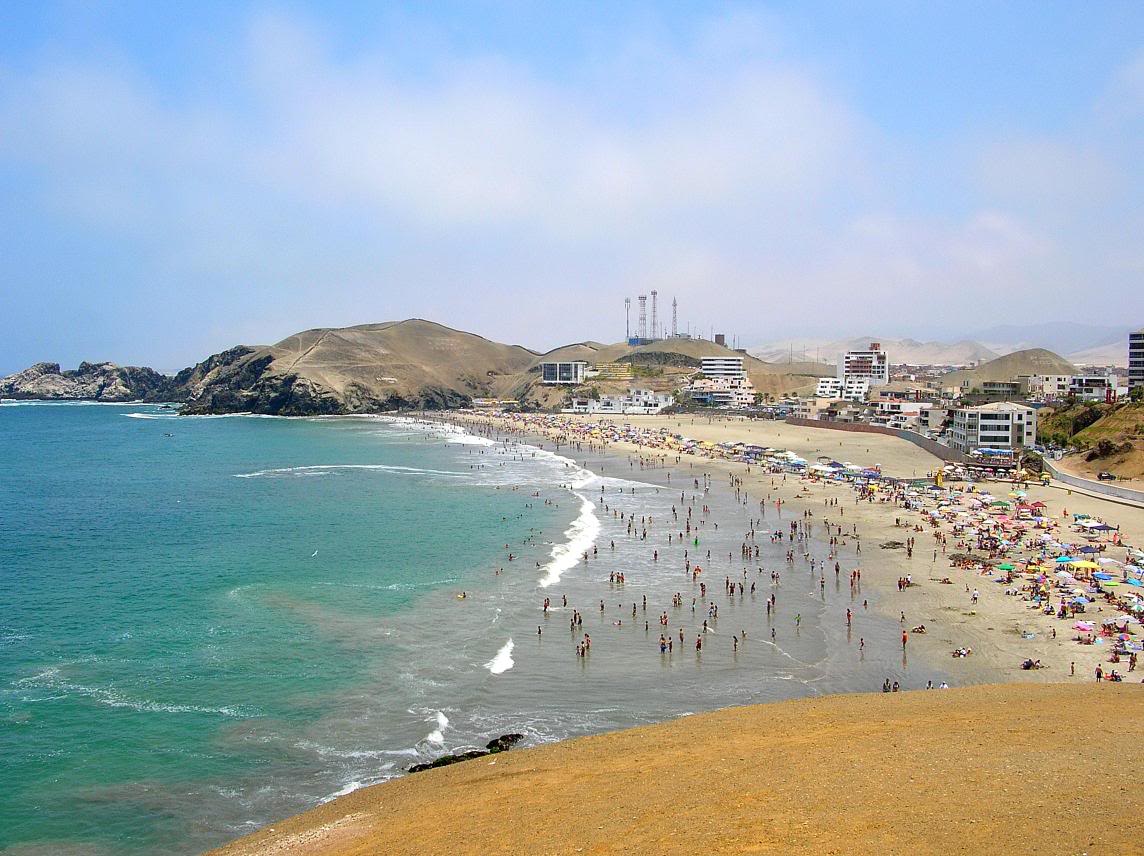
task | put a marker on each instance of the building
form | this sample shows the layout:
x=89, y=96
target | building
x=734, y=393
x=1048, y=387
x=571, y=373
x=637, y=402
x=723, y=367
x=873, y=365
x=1136, y=359
x=1001, y=425
x=1092, y=387
x=850, y=389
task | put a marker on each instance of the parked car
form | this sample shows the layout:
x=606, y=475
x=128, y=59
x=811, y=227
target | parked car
x=1106, y=476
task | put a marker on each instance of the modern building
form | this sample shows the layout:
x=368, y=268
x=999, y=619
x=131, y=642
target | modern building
x=1092, y=387
x=734, y=393
x=1136, y=359
x=1048, y=387
x=1001, y=425
x=571, y=373
x=636, y=402
x=873, y=365
x=723, y=367
x=850, y=389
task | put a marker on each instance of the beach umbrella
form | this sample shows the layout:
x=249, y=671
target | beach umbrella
x=1062, y=559
x=1085, y=564
x=1005, y=566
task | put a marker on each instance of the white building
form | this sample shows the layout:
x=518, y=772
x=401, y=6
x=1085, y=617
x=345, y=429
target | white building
x=637, y=402
x=723, y=367
x=571, y=373
x=1136, y=359
x=873, y=365
x=1001, y=425
x=735, y=393
x=850, y=389
x=1092, y=387
x=1049, y=387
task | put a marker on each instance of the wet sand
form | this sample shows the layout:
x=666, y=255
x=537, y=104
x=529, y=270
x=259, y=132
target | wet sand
x=993, y=769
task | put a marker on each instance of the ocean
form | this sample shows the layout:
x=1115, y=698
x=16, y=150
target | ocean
x=209, y=623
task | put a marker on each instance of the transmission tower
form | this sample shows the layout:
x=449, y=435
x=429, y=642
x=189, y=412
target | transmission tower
x=643, y=316
x=674, y=318
x=627, y=318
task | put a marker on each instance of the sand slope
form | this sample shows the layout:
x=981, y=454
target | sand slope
x=996, y=769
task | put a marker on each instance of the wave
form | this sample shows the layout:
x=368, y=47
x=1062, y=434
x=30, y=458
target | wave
x=503, y=661
x=50, y=679
x=327, y=469
x=581, y=536
x=436, y=736
x=152, y=415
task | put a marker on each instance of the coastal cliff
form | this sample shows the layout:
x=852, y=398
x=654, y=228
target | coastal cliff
x=89, y=382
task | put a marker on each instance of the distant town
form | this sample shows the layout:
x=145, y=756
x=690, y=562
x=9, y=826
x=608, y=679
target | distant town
x=986, y=412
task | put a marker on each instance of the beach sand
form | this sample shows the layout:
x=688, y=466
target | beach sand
x=992, y=769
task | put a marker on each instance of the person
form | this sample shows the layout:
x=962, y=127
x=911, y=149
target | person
x=905, y=639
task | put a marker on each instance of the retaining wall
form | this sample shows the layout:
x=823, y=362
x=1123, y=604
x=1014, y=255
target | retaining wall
x=1106, y=488
x=945, y=453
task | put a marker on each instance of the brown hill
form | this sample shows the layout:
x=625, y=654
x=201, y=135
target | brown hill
x=1009, y=367
x=372, y=367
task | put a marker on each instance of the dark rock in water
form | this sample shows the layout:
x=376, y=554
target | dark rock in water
x=505, y=741
x=499, y=744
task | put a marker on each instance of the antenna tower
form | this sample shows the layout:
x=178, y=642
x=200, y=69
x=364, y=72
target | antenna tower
x=654, y=314
x=627, y=318
x=643, y=316
x=674, y=318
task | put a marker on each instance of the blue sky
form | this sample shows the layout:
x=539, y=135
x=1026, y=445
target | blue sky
x=178, y=178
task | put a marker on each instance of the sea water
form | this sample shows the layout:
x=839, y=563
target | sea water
x=209, y=623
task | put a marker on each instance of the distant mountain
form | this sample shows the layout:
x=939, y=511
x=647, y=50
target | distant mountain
x=1114, y=353
x=1063, y=337
x=1028, y=362
x=908, y=351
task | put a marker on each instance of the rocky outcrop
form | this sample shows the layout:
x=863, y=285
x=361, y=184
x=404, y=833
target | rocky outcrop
x=90, y=382
x=499, y=744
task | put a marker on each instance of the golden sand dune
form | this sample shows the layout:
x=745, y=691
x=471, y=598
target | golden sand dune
x=996, y=769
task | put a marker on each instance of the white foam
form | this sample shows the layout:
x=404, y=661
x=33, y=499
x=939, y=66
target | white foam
x=437, y=736
x=50, y=679
x=327, y=469
x=581, y=536
x=503, y=661
x=151, y=415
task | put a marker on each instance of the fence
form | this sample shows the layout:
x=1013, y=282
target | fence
x=945, y=453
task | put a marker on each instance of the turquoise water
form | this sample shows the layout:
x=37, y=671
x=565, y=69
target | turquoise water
x=169, y=630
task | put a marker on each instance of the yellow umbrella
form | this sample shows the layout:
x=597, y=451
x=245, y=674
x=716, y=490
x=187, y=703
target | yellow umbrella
x=1084, y=564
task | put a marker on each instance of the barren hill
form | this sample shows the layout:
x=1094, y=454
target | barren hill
x=1010, y=366
x=372, y=367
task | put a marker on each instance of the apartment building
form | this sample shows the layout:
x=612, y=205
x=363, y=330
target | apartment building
x=1001, y=425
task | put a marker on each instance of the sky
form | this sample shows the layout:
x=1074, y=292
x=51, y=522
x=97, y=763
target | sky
x=178, y=178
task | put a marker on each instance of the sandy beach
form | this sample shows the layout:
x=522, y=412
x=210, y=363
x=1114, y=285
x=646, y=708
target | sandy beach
x=994, y=769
